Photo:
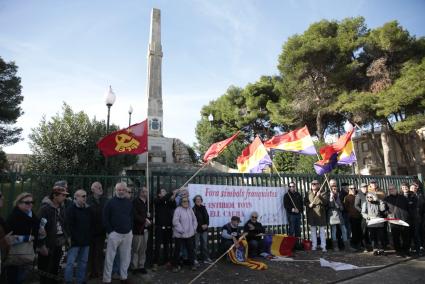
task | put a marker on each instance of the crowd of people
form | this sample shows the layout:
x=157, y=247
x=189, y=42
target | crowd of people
x=108, y=237
x=348, y=212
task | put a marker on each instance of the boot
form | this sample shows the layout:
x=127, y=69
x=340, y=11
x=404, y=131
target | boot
x=335, y=246
x=348, y=247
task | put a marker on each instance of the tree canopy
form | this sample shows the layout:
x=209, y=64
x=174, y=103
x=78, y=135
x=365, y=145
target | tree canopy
x=66, y=144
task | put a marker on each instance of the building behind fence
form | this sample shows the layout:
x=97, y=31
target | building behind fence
x=12, y=184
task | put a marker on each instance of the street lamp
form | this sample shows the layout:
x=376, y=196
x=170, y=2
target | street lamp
x=130, y=111
x=211, y=118
x=109, y=101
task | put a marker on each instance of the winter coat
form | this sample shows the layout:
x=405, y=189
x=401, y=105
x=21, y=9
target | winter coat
x=316, y=216
x=252, y=234
x=184, y=223
x=412, y=203
x=374, y=209
x=335, y=209
x=397, y=206
x=164, y=209
x=21, y=224
x=351, y=210
x=96, y=207
x=289, y=205
x=202, y=217
x=79, y=225
x=358, y=202
x=140, y=214
x=55, y=220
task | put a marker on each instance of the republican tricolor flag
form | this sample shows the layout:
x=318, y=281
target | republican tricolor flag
x=298, y=141
x=254, y=158
x=131, y=140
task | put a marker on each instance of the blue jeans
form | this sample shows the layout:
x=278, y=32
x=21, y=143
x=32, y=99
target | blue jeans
x=343, y=232
x=81, y=256
x=201, y=245
x=294, y=224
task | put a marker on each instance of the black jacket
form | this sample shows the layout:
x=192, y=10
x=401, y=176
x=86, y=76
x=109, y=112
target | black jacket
x=96, y=208
x=287, y=202
x=55, y=217
x=23, y=225
x=118, y=215
x=358, y=202
x=164, y=209
x=140, y=213
x=412, y=200
x=397, y=207
x=202, y=217
x=252, y=234
x=79, y=225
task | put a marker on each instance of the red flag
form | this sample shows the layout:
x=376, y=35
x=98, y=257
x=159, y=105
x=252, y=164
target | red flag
x=132, y=140
x=218, y=147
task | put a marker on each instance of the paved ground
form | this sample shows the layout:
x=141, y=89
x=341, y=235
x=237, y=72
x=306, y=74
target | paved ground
x=400, y=270
x=299, y=272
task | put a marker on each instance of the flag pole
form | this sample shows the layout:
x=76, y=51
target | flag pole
x=195, y=174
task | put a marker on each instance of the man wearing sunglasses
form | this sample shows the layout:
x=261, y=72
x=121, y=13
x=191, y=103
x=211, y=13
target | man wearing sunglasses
x=293, y=203
x=79, y=228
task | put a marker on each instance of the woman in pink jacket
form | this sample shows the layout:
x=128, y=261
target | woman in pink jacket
x=184, y=228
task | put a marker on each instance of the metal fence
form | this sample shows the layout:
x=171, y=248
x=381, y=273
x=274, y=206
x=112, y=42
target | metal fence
x=40, y=185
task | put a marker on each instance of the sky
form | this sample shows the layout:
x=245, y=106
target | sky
x=71, y=51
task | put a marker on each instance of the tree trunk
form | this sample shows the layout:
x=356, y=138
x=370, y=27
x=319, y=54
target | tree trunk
x=417, y=151
x=319, y=125
x=386, y=148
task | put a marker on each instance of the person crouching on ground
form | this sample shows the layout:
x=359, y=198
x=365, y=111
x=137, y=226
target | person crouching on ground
x=79, y=227
x=201, y=236
x=316, y=202
x=230, y=234
x=184, y=228
x=255, y=235
x=374, y=208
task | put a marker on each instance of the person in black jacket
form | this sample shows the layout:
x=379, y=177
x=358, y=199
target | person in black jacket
x=164, y=207
x=79, y=227
x=53, y=236
x=255, y=235
x=293, y=203
x=23, y=225
x=412, y=201
x=140, y=232
x=420, y=214
x=358, y=204
x=397, y=207
x=96, y=202
x=201, y=236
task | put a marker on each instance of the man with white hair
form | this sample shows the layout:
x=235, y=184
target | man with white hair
x=118, y=222
x=79, y=226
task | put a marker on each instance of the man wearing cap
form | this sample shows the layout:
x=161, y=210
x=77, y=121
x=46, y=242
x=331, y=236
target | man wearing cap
x=53, y=236
x=231, y=233
x=315, y=203
x=118, y=222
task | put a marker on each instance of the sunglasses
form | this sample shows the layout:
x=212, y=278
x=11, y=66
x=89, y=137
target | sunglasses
x=27, y=202
x=254, y=217
x=351, y=188
x=314, y=183
x=292, y=186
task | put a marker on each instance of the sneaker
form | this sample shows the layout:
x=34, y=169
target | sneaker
x=208, y=261
x=176, y=269
x=324, y=250
x=313, y=248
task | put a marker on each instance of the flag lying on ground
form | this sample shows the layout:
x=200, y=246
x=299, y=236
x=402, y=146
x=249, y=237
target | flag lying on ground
x=395, y=221
x=254, y=158
x=342, y=150
x=298, y=141
x=240, y=256
x=132, y=140
x=279, y=244
x=215, y=149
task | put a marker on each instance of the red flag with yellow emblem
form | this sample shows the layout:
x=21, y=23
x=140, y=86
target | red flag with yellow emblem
x=132, y=140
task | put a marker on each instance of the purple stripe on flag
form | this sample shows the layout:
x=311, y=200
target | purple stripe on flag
x=348, y=160
x=263, y=163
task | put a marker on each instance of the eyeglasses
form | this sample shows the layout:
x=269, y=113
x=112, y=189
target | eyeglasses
x=351, y=188
x=254, y=217
x=292, y=186
x=315, y=183
x=27, y=202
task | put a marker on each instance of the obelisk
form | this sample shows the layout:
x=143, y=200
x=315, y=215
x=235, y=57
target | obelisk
x=154, y=82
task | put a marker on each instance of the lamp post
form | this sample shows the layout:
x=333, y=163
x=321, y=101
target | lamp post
x=109, y=101
x=211, y=118
x=130, y=111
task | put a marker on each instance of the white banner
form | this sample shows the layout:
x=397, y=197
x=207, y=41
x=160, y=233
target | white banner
x=224, y=201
